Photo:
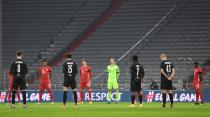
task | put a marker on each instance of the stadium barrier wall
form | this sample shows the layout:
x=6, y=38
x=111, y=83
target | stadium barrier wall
x=100, y=96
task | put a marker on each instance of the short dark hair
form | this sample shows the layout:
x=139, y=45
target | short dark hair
x=68, y=55
x=19, y=53
x=135, y=57
x=83, y=60
x=196, y=63
x=44, y=60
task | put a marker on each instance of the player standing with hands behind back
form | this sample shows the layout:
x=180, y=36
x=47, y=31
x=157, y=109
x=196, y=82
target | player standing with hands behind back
x=19, y=69
x=137, y=75
x=70, y=71
x=167, y=72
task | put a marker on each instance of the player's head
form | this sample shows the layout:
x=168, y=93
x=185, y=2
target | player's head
x=68, y=55
x=44, y=62
x=196, y=64
x=19, y=55
x=111, y=61
x=163, y=57
x=135, y=58
x=84, y=62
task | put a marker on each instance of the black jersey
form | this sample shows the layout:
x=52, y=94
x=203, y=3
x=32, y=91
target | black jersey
x=167, y=67
x=19, y=68
x=137, y=71
x=70, y=69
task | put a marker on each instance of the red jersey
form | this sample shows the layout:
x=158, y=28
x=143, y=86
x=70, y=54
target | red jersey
x=44, y=72
x=196, y=74
x=85, y=74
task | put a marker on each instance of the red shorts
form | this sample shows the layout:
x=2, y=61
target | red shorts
x=86, y=84
x=44, y=85
x=197, y=86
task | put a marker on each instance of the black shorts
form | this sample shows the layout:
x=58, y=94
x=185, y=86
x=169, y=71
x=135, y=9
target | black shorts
x=166, y=84
x=70, y=83
x=135, y=86
x=19, y=82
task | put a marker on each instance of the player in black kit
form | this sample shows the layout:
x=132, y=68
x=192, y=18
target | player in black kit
x=19, y=70
x=70, y=71
x=137, y=75
x=167, y=75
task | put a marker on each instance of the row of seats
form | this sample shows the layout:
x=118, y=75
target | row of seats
x=123, y=29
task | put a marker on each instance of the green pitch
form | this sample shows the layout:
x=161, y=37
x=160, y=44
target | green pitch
x=106, y=110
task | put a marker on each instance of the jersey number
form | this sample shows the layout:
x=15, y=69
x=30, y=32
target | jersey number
x=69, y=69
x=137, y=68
x=168, y=68
x=18, y=68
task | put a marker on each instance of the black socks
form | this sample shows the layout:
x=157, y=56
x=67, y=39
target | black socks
x=24, y=97
x=132, y=99
x=164, y=98
x=171, y=98
x=64, y=97
x=140, y=99
x=13, y=96
x=75, y=97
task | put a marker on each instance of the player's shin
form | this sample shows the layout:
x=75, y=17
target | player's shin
x=171, y=98
x=64, y=97
x=109, y=96
x=201, y=96
x=75, y=97
x=117, y=95
x=13, y=96
x=140, y=99
x=197, y=96
x=132, y=99
x=18, y=96
x=40, y=96
x=51, y=94
x=81, y=96
x=89, y=94
x=24, y=97
x=9, y=96
x=164, y=98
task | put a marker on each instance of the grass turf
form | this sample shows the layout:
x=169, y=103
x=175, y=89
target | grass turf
x=105, y=110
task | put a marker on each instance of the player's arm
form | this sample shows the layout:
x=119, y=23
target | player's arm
x=8, y=75
x=64, y=69
x=90, y=72
x=107, y=71
x=50, y=73
x=12, y=68
x=162, y=72
x=172, y=74
x=142, y=73
x=200, y=76
x=118, y=72
x=80, y=71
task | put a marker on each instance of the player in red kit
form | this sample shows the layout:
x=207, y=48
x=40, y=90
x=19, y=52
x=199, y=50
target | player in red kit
x=10, y=79
x=197, y=83
x=85, y=77
x=45, y=76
